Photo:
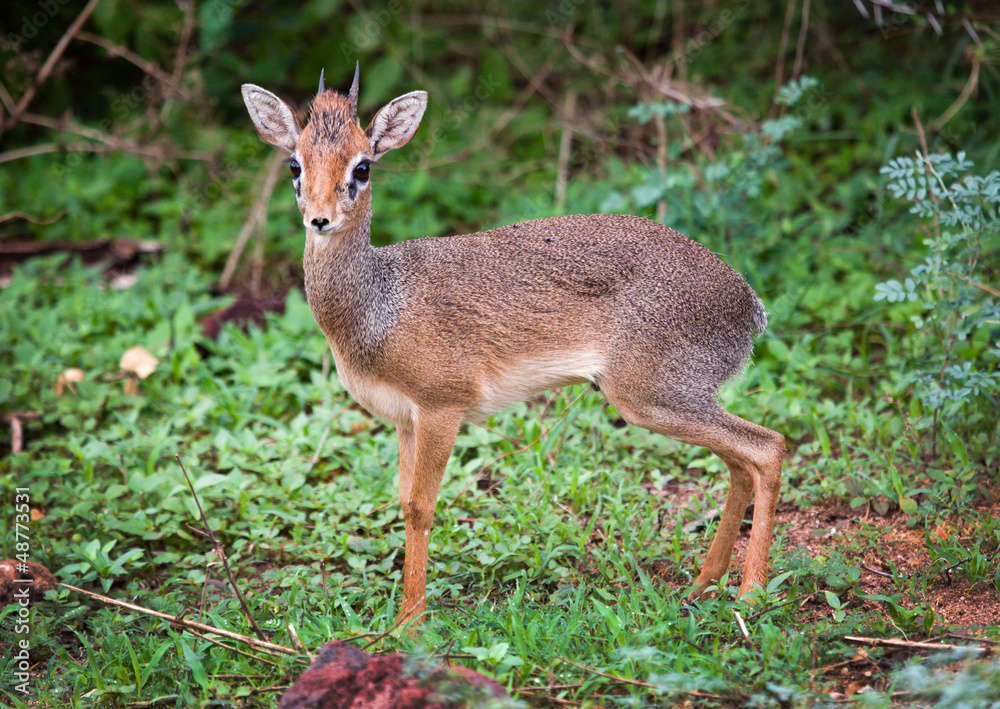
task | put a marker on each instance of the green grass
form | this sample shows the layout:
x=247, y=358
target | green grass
x=563, y=561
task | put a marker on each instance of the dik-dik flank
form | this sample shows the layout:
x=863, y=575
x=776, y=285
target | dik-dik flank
x=434, y=332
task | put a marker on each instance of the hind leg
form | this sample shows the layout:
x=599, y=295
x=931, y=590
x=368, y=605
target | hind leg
x=753, y=455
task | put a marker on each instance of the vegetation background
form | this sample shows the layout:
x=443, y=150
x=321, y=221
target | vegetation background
x=842, y=156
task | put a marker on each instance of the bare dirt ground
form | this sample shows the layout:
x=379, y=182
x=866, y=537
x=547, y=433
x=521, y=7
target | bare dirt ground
x=970, y=612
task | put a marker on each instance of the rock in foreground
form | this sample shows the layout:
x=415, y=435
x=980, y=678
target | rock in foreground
x=343, y=677
x=16, y=577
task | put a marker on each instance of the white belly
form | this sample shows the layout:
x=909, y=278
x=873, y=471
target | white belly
x=522, y=380
x=379, y=398
x=501, y=388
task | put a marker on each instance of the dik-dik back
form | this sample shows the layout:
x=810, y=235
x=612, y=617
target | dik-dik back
x=435, y=332
x=548, y=302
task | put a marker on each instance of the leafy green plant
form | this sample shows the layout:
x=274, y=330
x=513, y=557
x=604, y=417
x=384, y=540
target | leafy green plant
x=953, y=351
x=95, y=562
x=934, y=682
x=974, y=552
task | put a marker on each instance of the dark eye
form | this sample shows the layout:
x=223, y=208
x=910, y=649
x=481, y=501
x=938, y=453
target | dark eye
x=294, y=166
x=361, y=171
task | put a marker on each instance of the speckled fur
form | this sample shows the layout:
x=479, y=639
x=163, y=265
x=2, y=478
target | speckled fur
x=433, y=332
x=650, y=301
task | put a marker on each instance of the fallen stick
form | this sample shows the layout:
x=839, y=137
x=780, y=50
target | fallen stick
x=186, y=624
x=903, y=644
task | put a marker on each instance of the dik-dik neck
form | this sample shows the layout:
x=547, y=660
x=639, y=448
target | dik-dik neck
x=351, y=291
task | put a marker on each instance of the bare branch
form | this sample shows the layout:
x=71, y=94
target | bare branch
x=183, y=45
x=967, y=91
x=904, y=9
x=128, y=55
x=256, y=219
x=800, y=48
x=34, y=220
x=50, y=63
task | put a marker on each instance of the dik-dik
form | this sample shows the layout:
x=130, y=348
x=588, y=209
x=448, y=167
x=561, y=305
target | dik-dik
x=431, y=333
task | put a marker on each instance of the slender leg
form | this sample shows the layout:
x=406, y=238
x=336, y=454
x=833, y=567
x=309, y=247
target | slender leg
x=767, y=483
x=753, y=455
x=741, y=485
x=434, y=437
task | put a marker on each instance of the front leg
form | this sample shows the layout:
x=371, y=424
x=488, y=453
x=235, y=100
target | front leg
x=433, y=437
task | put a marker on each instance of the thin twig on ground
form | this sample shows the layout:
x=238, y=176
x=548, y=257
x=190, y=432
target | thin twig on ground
x=221, y=553
x=877, y=572
x=743, y=626
x=800, y=601
x=901, y=644
x=639, y=683
x=298, y=642
x=237, y=650
x=623, y=680
x=186, y=624
x=967, y=91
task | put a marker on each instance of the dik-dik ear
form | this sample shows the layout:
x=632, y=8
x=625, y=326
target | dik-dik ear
x=274, y=119
x=395, y=124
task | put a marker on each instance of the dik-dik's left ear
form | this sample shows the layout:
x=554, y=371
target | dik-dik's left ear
x=274, y=119
x=396, y=123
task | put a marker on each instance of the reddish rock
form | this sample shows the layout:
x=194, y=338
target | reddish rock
x=343, y=677
x=41, y=580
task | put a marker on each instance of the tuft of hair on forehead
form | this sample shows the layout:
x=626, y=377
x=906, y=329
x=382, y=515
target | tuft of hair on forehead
x=330, y=116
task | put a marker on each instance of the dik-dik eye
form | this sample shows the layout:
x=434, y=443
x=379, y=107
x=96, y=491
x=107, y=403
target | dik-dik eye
x=361, y=171
x=294, y=166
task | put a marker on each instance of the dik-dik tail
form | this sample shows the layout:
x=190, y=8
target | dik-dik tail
x=759, y=317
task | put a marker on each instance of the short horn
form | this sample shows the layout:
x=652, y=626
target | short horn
x=322, y=88
x=353, y=95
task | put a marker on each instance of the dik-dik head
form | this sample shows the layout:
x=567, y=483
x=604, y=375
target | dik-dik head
x=332, y=155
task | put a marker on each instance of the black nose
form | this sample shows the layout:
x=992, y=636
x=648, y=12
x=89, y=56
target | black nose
x=320, y=223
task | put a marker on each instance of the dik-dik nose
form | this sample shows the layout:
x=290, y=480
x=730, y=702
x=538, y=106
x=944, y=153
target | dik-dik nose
x=320, y=223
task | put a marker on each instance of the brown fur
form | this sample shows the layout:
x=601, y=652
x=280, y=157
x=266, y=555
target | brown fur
x=434, y=332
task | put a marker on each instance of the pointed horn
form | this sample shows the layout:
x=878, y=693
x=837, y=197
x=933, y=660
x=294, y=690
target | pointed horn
x=322, y=88
x=353, y=95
